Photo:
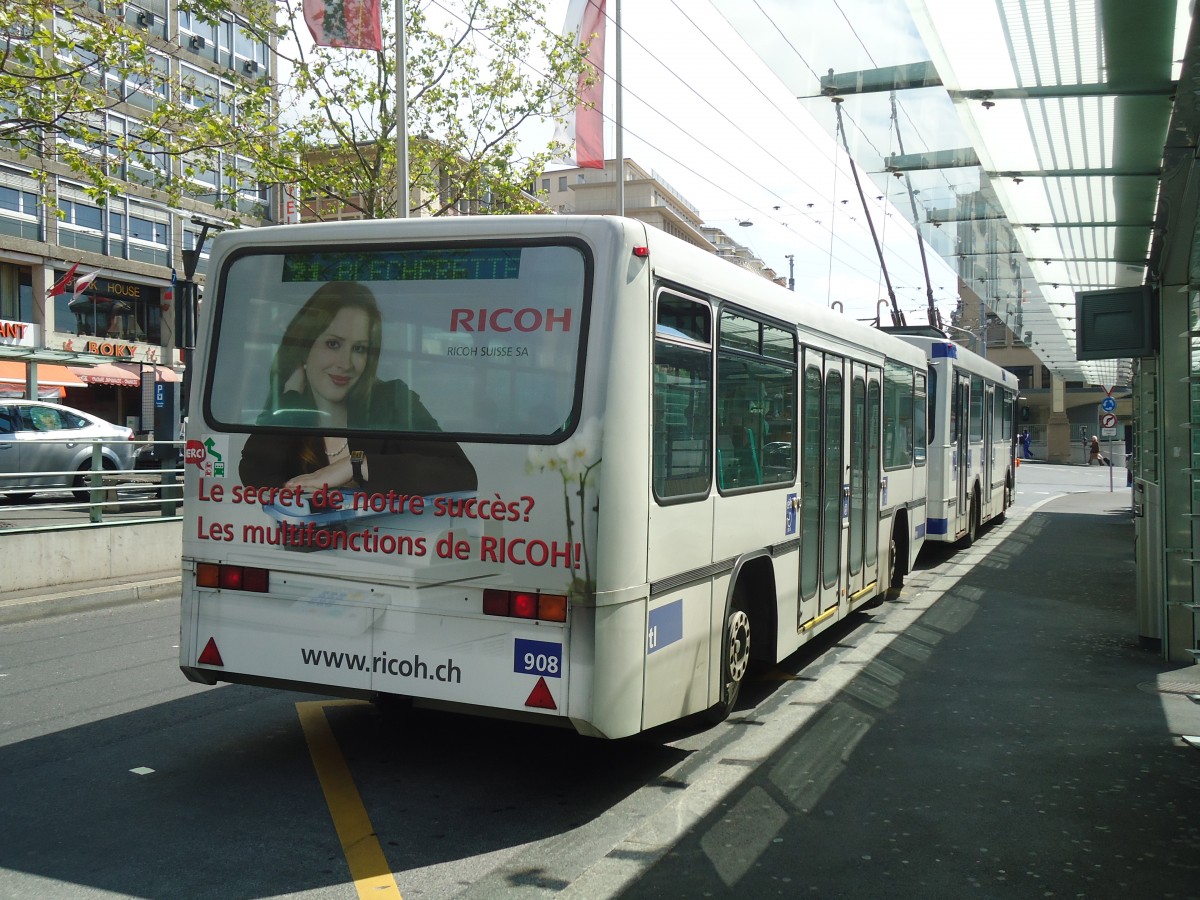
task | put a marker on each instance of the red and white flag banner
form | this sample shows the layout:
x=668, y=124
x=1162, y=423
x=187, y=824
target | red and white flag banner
x=83, y=282
x=354, y=24
x=60, y=286
x=583, y=133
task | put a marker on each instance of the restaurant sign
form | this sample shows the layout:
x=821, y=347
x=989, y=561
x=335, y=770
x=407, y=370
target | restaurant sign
x=18, y=334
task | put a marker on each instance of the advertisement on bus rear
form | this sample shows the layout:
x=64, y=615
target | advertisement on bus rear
x=407, y=414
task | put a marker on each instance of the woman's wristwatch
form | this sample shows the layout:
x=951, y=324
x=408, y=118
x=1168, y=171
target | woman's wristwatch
x=357, y=457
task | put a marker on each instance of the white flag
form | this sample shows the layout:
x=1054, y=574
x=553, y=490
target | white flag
x=83, y=282
x=583, y=132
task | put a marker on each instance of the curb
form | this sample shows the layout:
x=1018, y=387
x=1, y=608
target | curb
x=37, y=605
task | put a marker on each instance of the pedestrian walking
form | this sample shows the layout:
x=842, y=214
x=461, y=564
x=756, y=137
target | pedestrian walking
x=1095, y=455
x=1026, y=442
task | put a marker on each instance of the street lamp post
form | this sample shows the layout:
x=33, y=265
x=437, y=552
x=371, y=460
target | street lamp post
x=187, y=302
x=175, y=408
x=791, y=258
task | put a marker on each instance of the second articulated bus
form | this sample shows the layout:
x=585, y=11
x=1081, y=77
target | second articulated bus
x=563, y=468
x=972, y=437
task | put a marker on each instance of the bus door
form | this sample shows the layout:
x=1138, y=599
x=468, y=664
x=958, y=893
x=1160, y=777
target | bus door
x=873, y=497
x=862, y=526
x=962, y=452
x=812, y=454
x=987, y=449
x=835, y=483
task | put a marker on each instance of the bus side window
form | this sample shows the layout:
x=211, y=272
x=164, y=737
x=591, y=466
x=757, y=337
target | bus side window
x=756, y=403
x=682, y=427
x=921, y=435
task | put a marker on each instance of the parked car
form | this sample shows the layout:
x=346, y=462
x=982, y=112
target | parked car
x=45, y=446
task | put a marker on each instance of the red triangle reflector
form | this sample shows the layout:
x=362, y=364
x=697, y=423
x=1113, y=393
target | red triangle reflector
x=211, y=656
x=540, y=697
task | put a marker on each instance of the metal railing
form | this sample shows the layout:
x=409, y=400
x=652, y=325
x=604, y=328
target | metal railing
x=151, y=490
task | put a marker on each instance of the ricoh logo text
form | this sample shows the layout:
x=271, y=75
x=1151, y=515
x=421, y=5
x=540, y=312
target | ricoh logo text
x=525, y=320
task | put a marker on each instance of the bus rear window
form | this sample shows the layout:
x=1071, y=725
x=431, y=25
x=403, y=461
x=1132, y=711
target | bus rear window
x=479, y=341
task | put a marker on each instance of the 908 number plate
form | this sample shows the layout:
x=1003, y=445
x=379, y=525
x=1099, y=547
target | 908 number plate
x=538, y=658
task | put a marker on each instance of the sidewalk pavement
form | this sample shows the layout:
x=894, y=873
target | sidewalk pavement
x=1015, y=741
x=38, y=603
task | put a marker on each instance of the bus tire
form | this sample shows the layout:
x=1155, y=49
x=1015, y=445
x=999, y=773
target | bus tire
x=735, y=655
x=895, y=571
x=893, y=575
x=1000, y=516
x=972, y=534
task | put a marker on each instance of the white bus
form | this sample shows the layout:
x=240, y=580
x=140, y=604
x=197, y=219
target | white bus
x=972, y=437
x=562, y=468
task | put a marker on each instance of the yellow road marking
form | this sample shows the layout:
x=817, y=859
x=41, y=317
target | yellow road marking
x=368, y=867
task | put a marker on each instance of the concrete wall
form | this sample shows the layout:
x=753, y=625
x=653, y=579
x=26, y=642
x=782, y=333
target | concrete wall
x=69, y=560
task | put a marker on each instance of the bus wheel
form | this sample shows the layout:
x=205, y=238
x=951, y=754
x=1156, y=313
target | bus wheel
x=972, y=523
x=735, y=656
x=893, y=579
x=895, y=574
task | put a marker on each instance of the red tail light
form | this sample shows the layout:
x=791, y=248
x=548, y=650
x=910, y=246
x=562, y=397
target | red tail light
x=525, y=605
x=495, y=603
x=254, y=579
x=233, y=578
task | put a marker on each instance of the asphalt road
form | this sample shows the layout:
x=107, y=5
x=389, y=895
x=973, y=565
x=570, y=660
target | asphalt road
x=1038, y=481
x=121, y=779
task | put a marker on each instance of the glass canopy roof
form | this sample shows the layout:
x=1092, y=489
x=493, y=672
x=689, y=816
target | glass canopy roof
x=1023, y=138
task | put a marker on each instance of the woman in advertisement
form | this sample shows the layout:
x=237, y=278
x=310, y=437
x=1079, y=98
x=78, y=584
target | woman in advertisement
x=323, y=376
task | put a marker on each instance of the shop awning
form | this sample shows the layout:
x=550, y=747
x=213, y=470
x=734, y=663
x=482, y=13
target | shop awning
x=48, y=375
x=121, y=374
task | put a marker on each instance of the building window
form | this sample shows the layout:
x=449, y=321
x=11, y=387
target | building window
x=1024, y=376
x=996, y=332
x=197, y=36
x=81, y=222
x=562, y=182
x=20, y=212
x=148, y=16
x=16, y=293
x=149, y=234
x=144, y=94
x=111, y=310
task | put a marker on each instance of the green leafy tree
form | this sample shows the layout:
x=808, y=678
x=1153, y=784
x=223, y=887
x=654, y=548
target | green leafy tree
x=479, y=73
x=83, y=93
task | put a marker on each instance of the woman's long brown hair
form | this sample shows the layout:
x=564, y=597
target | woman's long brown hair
x=299, y=336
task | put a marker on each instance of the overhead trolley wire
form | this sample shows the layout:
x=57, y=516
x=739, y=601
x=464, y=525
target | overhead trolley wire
x=708, y=180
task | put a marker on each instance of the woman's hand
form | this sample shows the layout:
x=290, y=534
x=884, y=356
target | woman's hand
x=337, y=475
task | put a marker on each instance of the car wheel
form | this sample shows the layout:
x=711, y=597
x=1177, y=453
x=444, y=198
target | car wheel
x=81, y=489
